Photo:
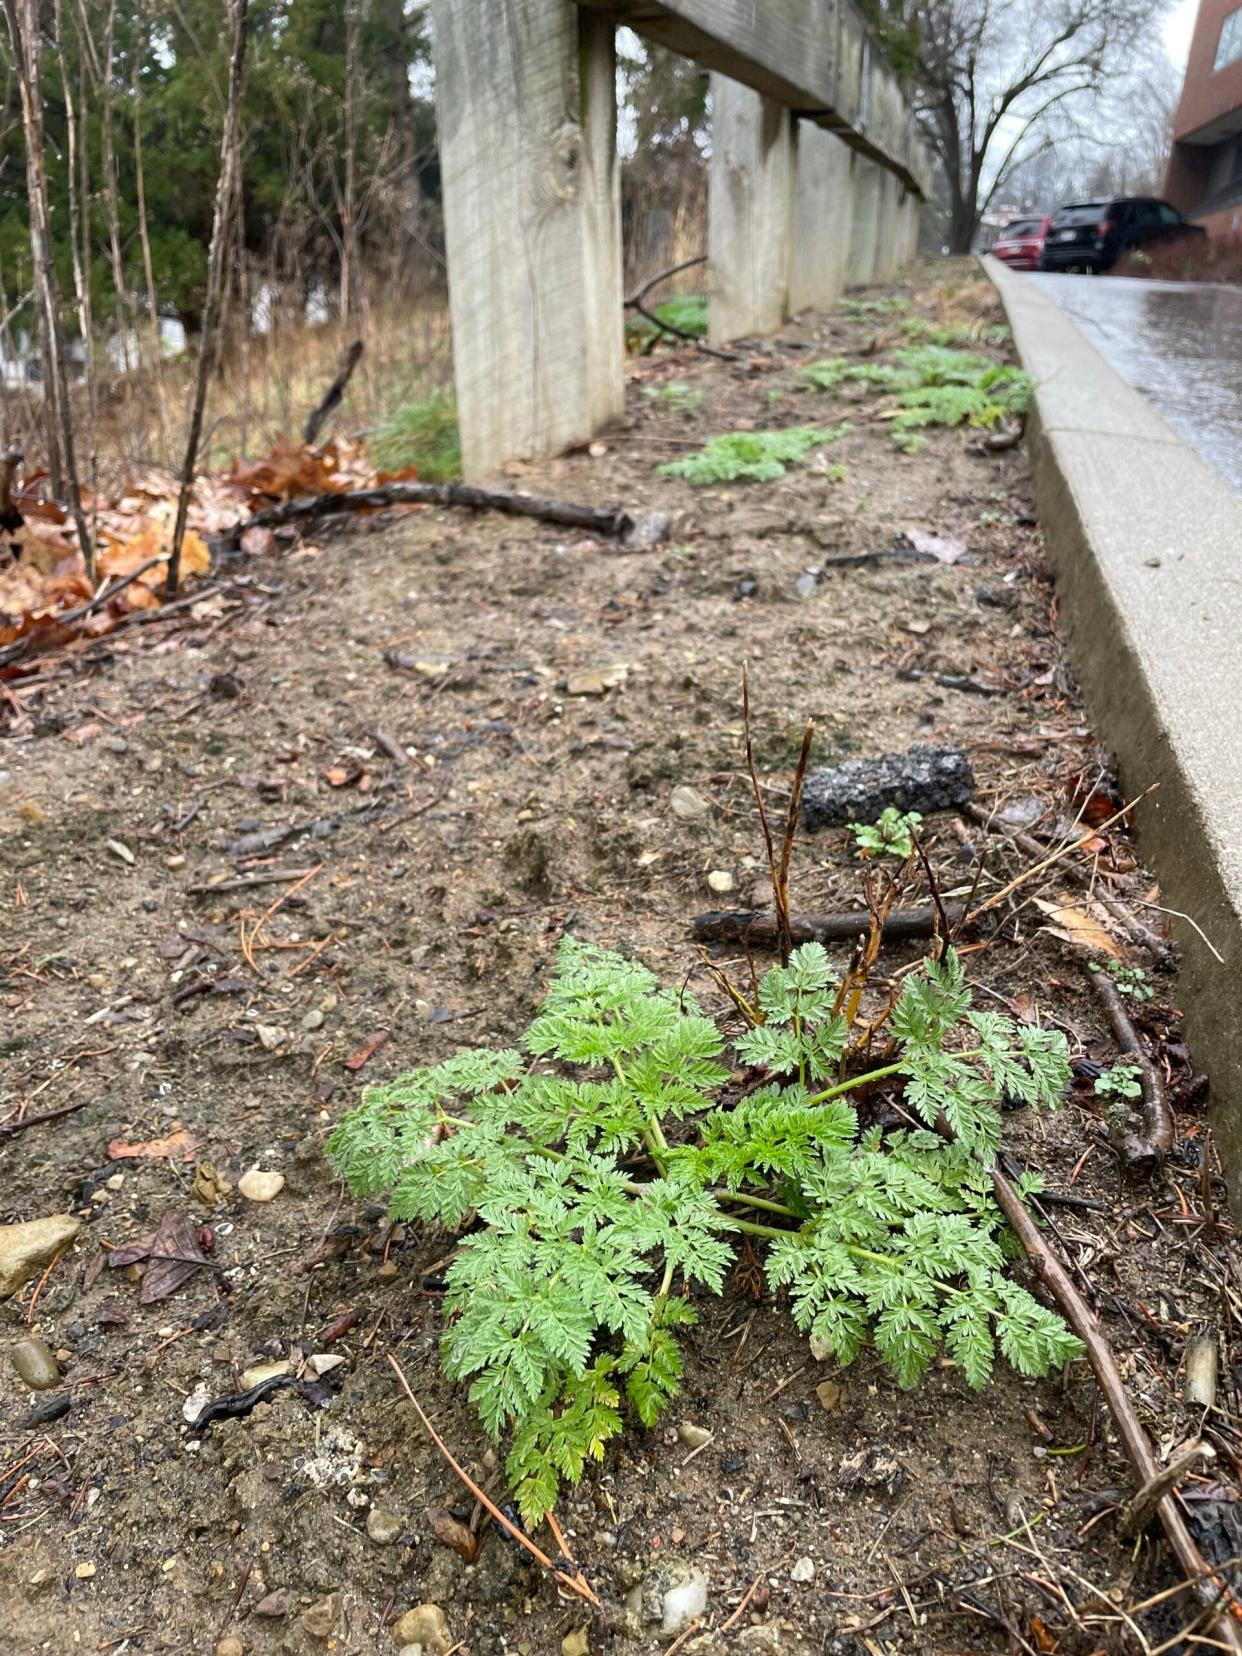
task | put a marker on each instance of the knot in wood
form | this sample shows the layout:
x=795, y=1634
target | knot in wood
x=566, y=163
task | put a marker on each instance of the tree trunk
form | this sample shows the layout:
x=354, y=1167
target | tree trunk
x=228, y=182
x=23, y=21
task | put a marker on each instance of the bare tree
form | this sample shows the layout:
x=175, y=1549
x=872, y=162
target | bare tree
x=988, y=77
x=227, y=185
x=23, y=21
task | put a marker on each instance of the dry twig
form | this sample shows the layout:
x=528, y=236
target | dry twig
x=1144, y=1151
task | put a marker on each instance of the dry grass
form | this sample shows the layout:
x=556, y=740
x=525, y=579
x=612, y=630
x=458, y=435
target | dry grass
x=263, y=389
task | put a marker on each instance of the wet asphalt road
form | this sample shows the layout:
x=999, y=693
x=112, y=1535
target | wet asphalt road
x=1178, y=343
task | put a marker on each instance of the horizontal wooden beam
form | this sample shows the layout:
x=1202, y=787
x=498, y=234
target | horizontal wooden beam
x=814, y=56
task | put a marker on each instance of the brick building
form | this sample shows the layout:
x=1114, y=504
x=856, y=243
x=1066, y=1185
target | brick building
x=1204, y=178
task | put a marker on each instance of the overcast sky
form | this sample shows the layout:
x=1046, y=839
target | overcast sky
x=1178, y=27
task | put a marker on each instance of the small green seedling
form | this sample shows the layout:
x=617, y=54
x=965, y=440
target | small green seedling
x=934, y=386
x=1122, y=1081
x=755, y=456
x=1132, y=981
x=891, y=836
x=676, y=396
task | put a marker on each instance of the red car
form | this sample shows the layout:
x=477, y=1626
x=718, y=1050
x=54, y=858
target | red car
x=1021, y=242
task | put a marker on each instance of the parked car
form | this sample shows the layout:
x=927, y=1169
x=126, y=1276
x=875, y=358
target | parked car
x=1021, y=242
x=1092, y=235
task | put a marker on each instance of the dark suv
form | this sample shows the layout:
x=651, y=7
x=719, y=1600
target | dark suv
x=1093, y=235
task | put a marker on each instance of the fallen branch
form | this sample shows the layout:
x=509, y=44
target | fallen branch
x=333, y=395
x=1211, y=1591
x=758, y=926
x=635, y=302
x=575, y=1583
x=633, y=533
x=1140, y=1152
x=243, y=882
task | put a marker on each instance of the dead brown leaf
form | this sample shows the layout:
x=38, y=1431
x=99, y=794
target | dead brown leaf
x=178, y=1144
x=451, y=1532
x=1075, y=926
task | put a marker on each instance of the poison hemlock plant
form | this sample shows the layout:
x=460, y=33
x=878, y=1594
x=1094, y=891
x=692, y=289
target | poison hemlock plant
x=891, y=836
x=676, y=396
x=934, y=385
x=591, y=1183
x=757, y=456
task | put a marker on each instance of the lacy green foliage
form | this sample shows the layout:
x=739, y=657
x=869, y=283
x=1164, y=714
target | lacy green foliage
x=675, y=396
x=422, y=434
x=757, y=456
x=891, y=836
x=1122, y=1081
x=962, y=336
x=560, y=1310
x=935, y=385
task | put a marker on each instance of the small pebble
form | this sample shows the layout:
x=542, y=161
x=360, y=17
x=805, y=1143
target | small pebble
x=829, y=1394
x=230, y=1645
x=425, y=1625
x=320, y=1619
x=84, y=1572
x=274, y=1604
x=260, y=1186
x=687, y=803
x=194, y=1404
x=175, y=862
x=384, y=1526
x=313, y=1020
x=803, y=1570
x=720, y=881
x=388, y=1270
x=577, y=1643
x=694, y=1437
x=34, y=1362
x=119, y=849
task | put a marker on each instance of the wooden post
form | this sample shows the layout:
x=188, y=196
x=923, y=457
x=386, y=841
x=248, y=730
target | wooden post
x=526, y=111
x=750, y=209
x=860, y=264
x=822, y=219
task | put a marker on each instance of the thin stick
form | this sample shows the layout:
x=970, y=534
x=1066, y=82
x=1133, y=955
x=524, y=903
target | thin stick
x=791, y=819
x=1057, y=856
x=1133, y=1437
x=574, y=1583
x=749, y=1594
x=333, y=396
x=226, y=185
x=782, y=911
x=641, y=293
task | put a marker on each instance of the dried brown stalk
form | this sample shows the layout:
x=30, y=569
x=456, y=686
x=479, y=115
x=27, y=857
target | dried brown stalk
x=574, y=1583
x=782, y=909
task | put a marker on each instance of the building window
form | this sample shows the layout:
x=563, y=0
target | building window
x=1229, y=47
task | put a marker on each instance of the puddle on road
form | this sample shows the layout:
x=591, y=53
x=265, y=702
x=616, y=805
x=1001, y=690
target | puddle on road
x=1179, y=344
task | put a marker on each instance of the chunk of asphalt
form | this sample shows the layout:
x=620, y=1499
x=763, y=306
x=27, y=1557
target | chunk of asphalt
x=923, y=779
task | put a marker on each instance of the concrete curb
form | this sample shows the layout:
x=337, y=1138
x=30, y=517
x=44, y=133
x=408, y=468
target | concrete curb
x=1146, y=542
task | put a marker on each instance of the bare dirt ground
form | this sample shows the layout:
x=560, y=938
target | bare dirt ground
x=387, y=711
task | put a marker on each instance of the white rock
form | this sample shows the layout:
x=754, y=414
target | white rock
x=270, y=1036
x=260, y=1186
x=684, y=1602
x=194, y=1404
x=686, y=803
x=323, y=1362
x=720, y=881
x=803, y=1570
x=259, y=1372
